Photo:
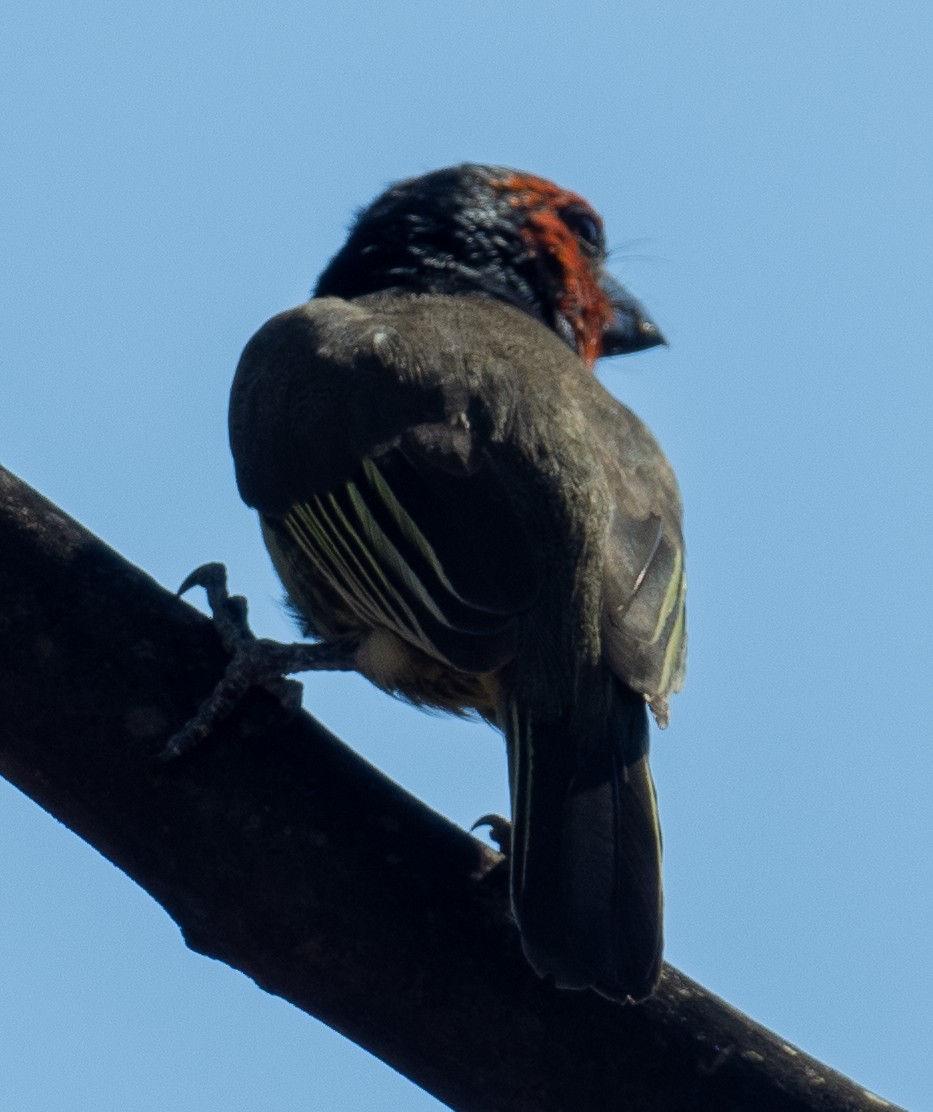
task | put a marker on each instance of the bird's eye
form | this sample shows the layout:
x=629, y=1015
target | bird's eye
x=584, y=226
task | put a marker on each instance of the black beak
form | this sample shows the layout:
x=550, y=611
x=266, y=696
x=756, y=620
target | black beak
x=631, y=328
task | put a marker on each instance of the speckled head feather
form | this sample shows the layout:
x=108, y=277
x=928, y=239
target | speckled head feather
x=500, y=233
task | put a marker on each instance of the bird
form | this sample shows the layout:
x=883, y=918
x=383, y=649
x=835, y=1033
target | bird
x=460, y=511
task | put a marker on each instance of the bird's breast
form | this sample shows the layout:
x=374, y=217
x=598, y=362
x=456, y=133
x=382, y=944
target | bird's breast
x=400, y=668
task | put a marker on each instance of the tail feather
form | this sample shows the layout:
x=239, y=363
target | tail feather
x=586, y=853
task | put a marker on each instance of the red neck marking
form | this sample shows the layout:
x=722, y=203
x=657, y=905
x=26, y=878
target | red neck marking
x=582, y=301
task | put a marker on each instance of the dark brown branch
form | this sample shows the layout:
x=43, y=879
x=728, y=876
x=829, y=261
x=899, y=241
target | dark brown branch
x=279, y=851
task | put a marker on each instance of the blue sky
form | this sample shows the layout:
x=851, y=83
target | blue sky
x=177, y=173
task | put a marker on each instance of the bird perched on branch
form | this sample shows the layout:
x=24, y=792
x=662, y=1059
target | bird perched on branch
x=460, y=511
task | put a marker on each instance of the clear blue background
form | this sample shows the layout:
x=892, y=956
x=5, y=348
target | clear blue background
x=176, y=173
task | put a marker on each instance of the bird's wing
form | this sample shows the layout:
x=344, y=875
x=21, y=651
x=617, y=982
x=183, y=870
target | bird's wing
x=644, y=603
x=379, y=485
x=644, y=579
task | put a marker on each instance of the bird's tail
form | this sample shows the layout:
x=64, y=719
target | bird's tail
x=586, y=845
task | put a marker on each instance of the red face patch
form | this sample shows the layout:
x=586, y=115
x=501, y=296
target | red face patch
x=582, y=301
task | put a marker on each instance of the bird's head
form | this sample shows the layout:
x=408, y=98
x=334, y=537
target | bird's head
x=499, y=232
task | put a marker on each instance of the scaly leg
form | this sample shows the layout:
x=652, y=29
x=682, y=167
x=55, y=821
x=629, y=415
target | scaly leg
x=255, y=661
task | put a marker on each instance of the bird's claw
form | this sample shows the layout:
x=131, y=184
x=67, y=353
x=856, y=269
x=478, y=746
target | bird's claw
x=500, y=832
x=255, y=662
x=205, y=576
x=229, y=612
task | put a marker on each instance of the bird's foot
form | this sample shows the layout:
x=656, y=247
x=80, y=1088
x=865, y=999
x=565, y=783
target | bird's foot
x=255, y=661
x=500, y=832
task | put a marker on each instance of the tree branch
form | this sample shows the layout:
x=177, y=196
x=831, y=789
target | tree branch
x=279, y=851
